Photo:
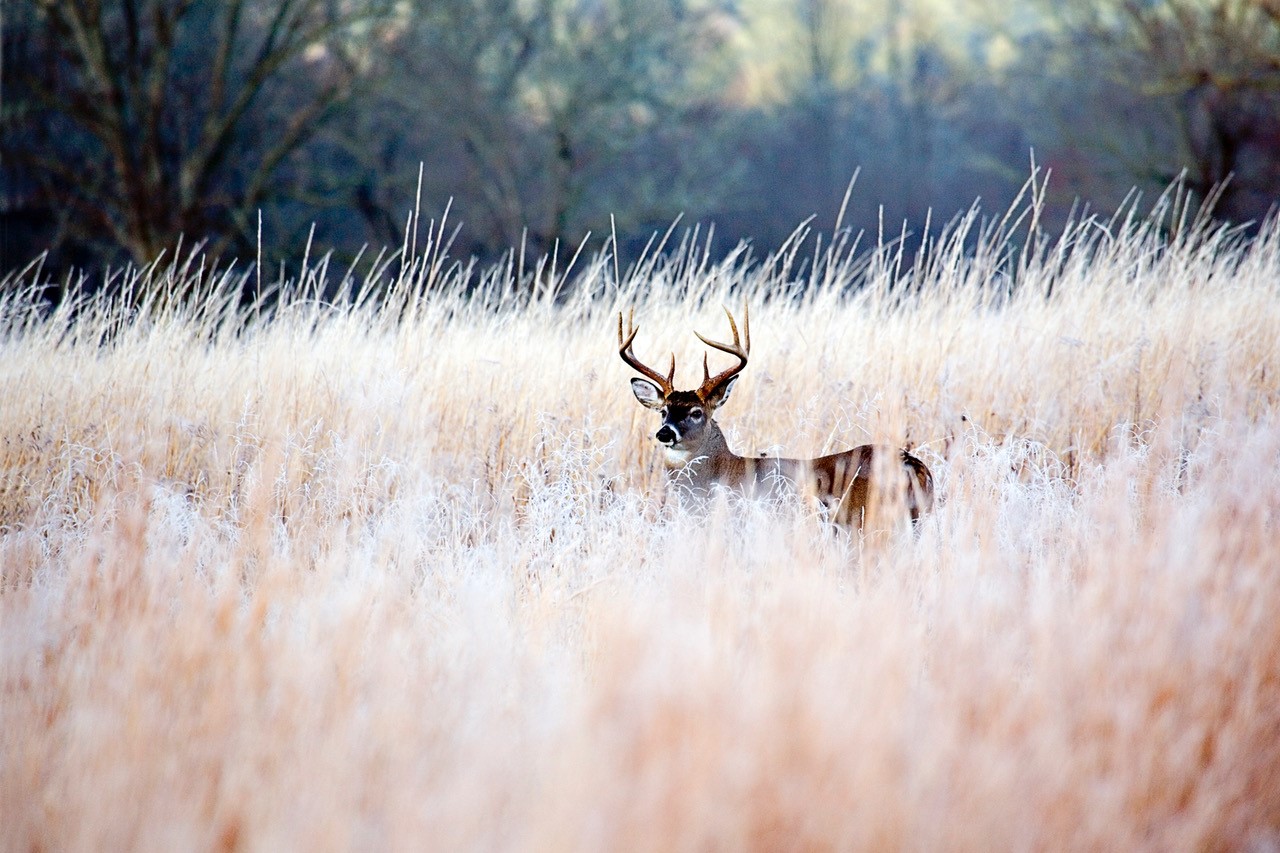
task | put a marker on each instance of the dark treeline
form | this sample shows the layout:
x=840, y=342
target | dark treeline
x=129, y=124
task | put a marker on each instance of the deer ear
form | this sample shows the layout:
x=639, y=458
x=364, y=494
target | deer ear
x=649, y=395
x=720, y=393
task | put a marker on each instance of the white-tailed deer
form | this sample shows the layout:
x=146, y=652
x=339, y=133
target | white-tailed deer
x=851, y=484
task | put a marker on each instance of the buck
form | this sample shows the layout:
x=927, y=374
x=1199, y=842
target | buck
x=851, y=485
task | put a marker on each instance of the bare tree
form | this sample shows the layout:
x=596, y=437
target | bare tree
x=1211, y=70
x=140, y=121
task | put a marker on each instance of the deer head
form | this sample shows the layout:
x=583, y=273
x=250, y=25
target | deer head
x=687, y=423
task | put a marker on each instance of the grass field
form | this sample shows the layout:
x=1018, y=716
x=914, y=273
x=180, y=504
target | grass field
x=400, y=573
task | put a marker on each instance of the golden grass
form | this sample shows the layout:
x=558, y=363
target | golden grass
x=403, y=576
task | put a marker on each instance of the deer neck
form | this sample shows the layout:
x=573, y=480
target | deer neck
x=712, y=461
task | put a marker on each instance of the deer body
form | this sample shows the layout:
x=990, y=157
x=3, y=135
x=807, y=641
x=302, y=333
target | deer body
x=850, y=484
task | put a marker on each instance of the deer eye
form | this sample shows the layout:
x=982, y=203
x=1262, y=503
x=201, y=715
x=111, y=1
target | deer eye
x=695, y=415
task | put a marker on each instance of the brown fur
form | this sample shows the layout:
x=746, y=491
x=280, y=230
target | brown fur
x=853, y=484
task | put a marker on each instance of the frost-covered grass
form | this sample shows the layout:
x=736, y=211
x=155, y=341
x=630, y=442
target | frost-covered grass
x=401, y=574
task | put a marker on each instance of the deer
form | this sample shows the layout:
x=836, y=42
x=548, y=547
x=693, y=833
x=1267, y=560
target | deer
x=851, y=485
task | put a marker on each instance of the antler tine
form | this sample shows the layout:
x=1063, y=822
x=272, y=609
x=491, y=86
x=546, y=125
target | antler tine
x=736, y=349
x=666, y=384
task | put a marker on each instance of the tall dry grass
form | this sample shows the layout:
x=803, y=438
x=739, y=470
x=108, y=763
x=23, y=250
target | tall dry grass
x=400, y=573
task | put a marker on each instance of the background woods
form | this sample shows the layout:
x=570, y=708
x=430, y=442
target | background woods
x=129, y=124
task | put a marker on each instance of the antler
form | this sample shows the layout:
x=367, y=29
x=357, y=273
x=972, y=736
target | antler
x=624, y=350
x=736, y=349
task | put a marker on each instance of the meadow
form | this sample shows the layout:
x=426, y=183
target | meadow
x=387, y=563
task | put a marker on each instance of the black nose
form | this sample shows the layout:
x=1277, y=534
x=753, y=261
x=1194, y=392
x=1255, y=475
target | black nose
x=666, y=435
